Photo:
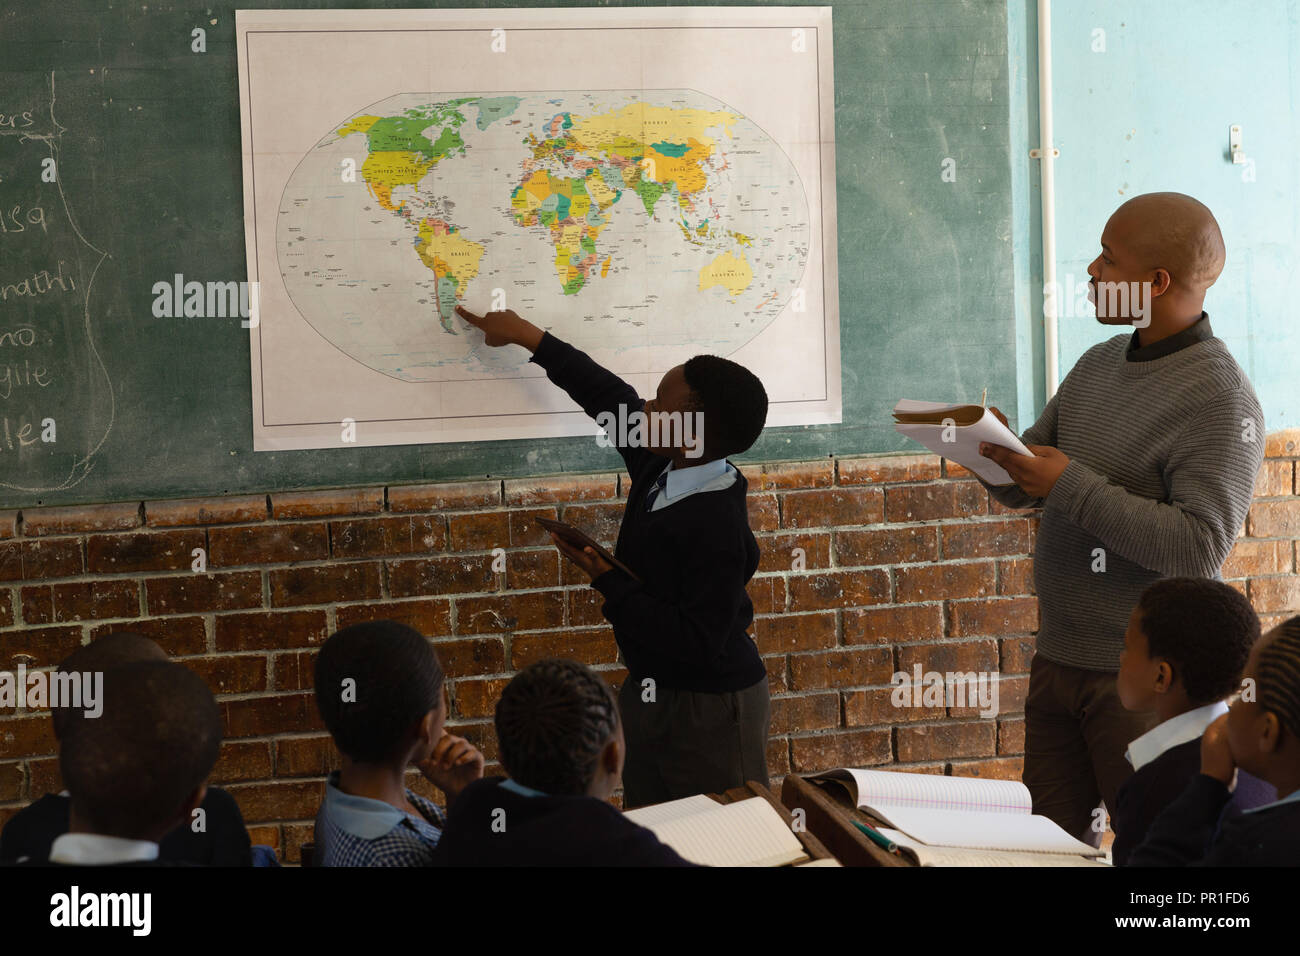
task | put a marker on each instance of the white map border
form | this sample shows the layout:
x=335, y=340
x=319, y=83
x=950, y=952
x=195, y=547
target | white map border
x=292, y=371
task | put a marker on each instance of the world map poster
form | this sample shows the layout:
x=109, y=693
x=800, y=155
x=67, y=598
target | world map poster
x=647, y=184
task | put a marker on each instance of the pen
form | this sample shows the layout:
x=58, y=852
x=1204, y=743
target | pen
x=878, y=839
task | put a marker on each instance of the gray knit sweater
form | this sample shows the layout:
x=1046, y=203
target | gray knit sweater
x=1160, y=479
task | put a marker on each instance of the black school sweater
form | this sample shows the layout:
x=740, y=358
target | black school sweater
x=1159, y=783
x=685, y=623
x=1180, y=833
x=543, y=831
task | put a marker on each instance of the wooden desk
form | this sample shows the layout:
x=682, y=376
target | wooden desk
x=814, y=847
x=830, y=820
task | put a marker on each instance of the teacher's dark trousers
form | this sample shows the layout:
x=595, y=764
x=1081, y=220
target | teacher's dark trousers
x=686, y=742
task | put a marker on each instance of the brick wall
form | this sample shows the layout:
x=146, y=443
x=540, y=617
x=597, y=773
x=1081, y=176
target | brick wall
x=907, y=560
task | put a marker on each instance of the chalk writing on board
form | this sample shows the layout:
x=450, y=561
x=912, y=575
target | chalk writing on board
x=56, y=396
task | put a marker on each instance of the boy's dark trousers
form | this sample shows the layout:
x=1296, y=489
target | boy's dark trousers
x=687, y=742
x=1076, y=733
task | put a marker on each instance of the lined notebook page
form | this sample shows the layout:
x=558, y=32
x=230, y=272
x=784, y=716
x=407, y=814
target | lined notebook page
x=950, y=856
x=673, y=809
x=881, y=788
x=977, y=830
x=745, y=833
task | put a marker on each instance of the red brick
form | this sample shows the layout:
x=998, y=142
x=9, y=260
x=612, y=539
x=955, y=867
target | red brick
x=242, y=760
x=268, y=835
x=480, y=530
x=1004, y=768
x=946, y=741
x=933, y=582
x=764, y=512
x=442, y=575
x=263, y=716
x=11, y=781
x=875, y=707
x=835, y=506
x=382, y=537
x=776, y=552
x=444, y=497
x=6, y=609
x=985, y=539
x=267, y=544
x=28, y=736
x=1017, y=653
x=8, y=524
x=41, y=522
x=45, y=776
x=1016, y=576
x=1275, y=519
x=1282, y=444
x=536, y=491
x=596, y=520
x=961, y=657
x=886, y=546
x=584, y=605
x=539, y=569
x=804, y=713
x=778, y=677
x=841, y=669
x=40, y=560
x=949, y=499
x=326, y=584
x=793, y=474
x=319, y=504
x=231, y=673
x=306, y=756
x=1275, y=479
x=794, y=632
x=142, y=551
x=43, y=646
x=1011, y=735
x=205, y=511
x=1276, y=594
x=893, y=625
x=278, y=801
x=995, y=616
x=80, y=601
x=187, y=593
x=998, y=508
x=814, y=592
x=778, y=762
x=854, y=748
x=270, y=630
x=478, y=656
x=294, y=670
x=883, y=469
x=477, y=698
x=431, y=618
x=525, y=611
x=175, y=635
x=590, y=646
x=952, y=469
x=1251, y=558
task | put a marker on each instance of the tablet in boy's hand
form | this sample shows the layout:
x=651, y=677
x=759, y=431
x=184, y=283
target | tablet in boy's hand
x=580, y=539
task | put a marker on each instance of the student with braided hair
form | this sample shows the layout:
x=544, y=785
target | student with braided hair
x=1261, y=735
x=562, y=744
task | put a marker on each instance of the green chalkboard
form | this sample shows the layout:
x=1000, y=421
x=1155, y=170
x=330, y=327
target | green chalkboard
x=144, y=135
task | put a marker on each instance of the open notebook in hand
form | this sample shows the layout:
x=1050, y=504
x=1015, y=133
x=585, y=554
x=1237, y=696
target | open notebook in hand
x=960, y=440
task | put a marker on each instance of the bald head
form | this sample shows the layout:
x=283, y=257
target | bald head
x=1173, y=232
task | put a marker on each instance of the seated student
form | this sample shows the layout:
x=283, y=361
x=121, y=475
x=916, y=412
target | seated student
x=379, y=689
x=138, y=770
x=221, y=841
x=1187, y=642
x=562, y=744
x=1259, y=734
x=695, y=708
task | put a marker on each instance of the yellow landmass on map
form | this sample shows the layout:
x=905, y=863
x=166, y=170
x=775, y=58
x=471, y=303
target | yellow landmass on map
x=361, y=124
x=447, y=254
x=733, y=274
x=386, y=169
x=644, y=123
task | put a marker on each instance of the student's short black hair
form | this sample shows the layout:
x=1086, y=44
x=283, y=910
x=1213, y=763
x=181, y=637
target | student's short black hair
x=396, y=680
x=103, y=654
x=733, y=401
x=1204, y=628
x=1279, y=675
x=553, y=720
x=130, y=769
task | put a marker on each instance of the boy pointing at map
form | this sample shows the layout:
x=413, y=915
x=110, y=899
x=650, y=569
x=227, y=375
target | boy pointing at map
x=695, y=703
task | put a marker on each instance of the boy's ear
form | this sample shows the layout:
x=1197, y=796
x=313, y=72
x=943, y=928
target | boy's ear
x=1164, y=677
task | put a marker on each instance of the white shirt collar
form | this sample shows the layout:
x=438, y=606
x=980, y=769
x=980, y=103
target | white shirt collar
x=1292, y=797
x=692, y=479
x=1172, y=732
x=92, y=849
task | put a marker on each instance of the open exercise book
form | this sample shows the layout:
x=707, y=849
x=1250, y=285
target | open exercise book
x=960, y=821
x=744, y=833
x=959, y=440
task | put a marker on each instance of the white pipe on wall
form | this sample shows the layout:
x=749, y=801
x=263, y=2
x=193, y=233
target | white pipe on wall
x=1047, y=198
